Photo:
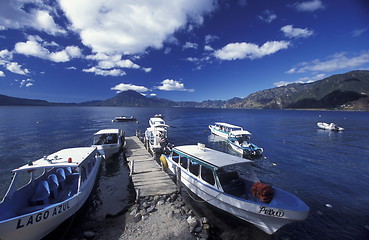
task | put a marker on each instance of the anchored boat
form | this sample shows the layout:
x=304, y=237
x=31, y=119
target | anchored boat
x=124, y=119
x=109, y=141
x=156, y=135
x=58, y=185
x=329, y=126
x=239, y=142
x=229, y=183
x=223, y=129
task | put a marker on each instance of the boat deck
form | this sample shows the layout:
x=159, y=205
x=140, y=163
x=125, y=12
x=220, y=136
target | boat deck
x=147, y=175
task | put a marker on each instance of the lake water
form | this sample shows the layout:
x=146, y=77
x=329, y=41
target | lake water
x=328, y=170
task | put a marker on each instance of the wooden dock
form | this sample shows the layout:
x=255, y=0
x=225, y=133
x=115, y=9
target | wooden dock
x=148, y=178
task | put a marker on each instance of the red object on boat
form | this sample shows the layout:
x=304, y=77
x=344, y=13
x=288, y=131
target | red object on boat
x=262, y=191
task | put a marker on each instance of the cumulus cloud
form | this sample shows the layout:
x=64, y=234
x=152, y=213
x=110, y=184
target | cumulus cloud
x=309, y=6
x=267, y=16
x=302, y=80
x=2, y=74
x=210, y=38
x=190, y=45
x=291, y=32
x=35, y=47
x=244, y=50
x=18, y=14
x=173, y=85
x=26, y=83
x=125, y=87
x=14, y=67
x=102, y=72
x=335, y=62
x=131, y=26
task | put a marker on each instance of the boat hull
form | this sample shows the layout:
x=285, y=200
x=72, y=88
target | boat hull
x=109, y=150
x=267, y=217
x=218, y=132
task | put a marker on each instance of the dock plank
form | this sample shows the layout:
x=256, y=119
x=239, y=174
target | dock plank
x=147, y=175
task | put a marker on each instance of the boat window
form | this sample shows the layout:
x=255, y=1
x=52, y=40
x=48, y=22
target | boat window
x=175, y=157
x=111, y=139
x=207, y=175
x=194, y=167
x=183, y=162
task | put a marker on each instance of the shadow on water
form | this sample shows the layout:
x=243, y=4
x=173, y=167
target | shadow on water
x=104, y=210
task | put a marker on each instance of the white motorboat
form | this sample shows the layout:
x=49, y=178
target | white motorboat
x=109, y=141
x=156, y=136
x=58, y=185
x=229, y=183
x=329, y=126
x=239, y=141
x=124, y=119
x=223, y=129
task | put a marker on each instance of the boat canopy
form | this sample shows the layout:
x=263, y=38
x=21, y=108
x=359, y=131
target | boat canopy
x=156, y=121
x=240, y=132
x=108, y=131
x=60, y=159
x=210, y=156
x=227, y=125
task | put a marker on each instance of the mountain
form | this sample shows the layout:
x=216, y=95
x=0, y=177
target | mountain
x=342, y=91
x=347, y=91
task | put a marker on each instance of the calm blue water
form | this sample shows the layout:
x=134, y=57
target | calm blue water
x=328, y=170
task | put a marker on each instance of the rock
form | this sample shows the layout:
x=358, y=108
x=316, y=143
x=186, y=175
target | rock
x=146, y=204
x=89, y=234
x=192, y=221
x=204, y=220
x=137, y=218
x=160, y=202
x=156, y=198
x=198, y=229
x=133, y=212
x=143, y=212
x=150, y=209
x=204, y=235
x=206, y=226
x=143, y=218
x=185, y=209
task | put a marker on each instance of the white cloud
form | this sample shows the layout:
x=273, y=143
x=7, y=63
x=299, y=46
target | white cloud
x=152, y=94
x=309, y=6
x=147, y=69
x=291, y=32
x=26, y=83
x=18, y=14
x=102, y=72
x=6, y=55
x=210, y=38
x=190, y=45
x=302, y=80
x=125, y=87
x=336, y=62
x=208, y=48
x=268, y=16
x=358, y=32
x=71, y=68
x=16, y=68
x=243, y=50
x=131, y=26
x=172, y=85
x=34, y=47
x=2, y=74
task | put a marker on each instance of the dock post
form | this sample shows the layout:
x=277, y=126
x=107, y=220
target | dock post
x=131, y=168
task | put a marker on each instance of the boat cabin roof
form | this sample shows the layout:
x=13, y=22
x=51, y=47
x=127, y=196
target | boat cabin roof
x=108, y=131
x=227, y=125
x=210, y=156
x=240, y=132
x=60, y=159
x=156, y=119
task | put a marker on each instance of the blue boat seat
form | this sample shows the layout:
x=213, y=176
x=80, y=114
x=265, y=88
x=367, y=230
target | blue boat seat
x=52, y=179
x=42, y=194
x=60, y=173
x=68, y=171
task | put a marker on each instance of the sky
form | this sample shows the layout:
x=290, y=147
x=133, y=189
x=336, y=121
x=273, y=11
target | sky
x=182, y=50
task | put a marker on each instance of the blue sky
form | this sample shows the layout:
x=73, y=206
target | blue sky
x=183, y=50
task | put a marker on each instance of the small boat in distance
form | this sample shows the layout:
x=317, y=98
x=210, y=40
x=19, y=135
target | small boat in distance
x=58, y=185
x=109, y=141
x=124, y=119
x=239, y=142
x=223, y=129
x=329, y=126
x=229, y=183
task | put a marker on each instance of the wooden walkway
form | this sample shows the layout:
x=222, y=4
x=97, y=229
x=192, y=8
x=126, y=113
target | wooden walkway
x=148, y=178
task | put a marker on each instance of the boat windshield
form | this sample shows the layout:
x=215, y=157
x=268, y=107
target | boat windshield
x=101, y=139
x=242, y=137
x=244, y=171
